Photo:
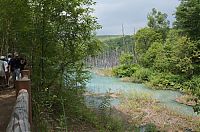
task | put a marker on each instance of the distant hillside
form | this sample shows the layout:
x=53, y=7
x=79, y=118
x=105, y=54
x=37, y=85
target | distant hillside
x=116, y=41
x=108, y=37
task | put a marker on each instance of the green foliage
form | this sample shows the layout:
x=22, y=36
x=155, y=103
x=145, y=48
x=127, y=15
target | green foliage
x=118, y=43
x=166, y=81
x=197, y=108
x=193, y=85
x=56, y=36
x=64, y=38
x=108, y=122
x=124, y=71
x=187, y=18
x=144, y=38
x=176, y=56
x=126, y=67
x=14, y=30
x=151, y=128
x=171, y=54
x=158, y=21
x=170, y=57
x=163, y=63
x=147, y=60
x=94, y=44
x=126, y=59
x=141, y=74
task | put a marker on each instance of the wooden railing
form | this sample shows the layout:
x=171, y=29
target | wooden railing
x=21, y=118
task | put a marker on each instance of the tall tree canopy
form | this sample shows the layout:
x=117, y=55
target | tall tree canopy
x=158, y=21
x=144, y=38
x=56, y=36
x=188, y=18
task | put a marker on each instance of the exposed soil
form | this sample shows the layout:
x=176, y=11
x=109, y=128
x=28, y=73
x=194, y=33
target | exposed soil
x=111, y=95
x=7, y=102
x=103, y=72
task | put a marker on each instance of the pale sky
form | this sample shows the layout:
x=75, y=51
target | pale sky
x=132, y=14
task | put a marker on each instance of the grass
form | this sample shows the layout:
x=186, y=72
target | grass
x=104, y=72
x=142, y=110
x=126, y=79
x=188, y=100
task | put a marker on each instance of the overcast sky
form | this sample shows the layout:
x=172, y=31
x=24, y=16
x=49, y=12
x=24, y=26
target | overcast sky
x=132, y=14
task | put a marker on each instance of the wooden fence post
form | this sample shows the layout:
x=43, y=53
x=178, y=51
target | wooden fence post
x=25, y=83
x=25, y=73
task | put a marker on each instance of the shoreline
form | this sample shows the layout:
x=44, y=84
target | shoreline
x=144, y=110
x=186, y=99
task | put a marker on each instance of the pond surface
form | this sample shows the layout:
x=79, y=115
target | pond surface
x=101, y=85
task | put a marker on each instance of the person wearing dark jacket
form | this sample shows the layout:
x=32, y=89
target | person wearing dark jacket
x=22, y=63
x=14, y=67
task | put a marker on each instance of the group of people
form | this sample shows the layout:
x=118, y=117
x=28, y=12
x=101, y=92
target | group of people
x=10, y=68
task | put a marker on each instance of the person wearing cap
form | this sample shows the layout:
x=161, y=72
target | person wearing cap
x=2, y=73
x=9, y=57
x=14, y=67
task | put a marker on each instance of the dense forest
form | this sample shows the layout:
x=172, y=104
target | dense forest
x=56, y=36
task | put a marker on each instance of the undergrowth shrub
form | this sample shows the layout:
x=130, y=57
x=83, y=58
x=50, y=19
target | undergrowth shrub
x=193, y=85
x=125, y=70
x=165, y=81
x=141, y=74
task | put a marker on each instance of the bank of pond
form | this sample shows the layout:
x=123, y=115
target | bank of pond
x=141, y=105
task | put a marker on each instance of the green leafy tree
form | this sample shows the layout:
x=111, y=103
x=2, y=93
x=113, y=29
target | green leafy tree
x=14, y=29
x=56, y=36
x=188, y=18
x=147, y=60
x=176, y=56
x=144, y=38
x=158, y=21
x=126, y=59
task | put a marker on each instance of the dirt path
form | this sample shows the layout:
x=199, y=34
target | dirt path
x=7, y=102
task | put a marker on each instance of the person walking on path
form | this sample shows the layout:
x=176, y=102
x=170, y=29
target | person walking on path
x=22, y=62
x=9, y=57
x=2, y=74
x=14, y=67
x=6, y=69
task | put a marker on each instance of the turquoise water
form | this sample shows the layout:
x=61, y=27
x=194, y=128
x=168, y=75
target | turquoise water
x=100, y=85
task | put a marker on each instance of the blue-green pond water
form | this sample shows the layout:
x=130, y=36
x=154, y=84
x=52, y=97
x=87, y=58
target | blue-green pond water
x=101, y=85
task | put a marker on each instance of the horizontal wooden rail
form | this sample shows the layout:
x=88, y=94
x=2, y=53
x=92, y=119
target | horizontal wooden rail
x=19, y=121
x=21, y=118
